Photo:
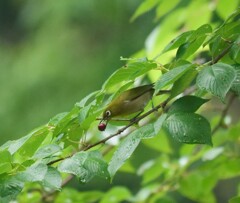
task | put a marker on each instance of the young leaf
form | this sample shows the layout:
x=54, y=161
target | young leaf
x=188, y=128
x=234, y=200
x=236, y=83
x=171, y=76
x=187, y=104
x=216, y=79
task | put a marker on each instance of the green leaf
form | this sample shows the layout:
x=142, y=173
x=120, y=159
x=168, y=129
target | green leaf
x=188, y=128
x=128, y=145
x=191, y=46
x=144, y=7
x=35, y=172
x=187, y=104
x=235, y=51
x=47, y=151
x=165, y=7
x=85, y=165
x=216, y=79
x=116, y=194
x=183, y=82
x=159, y=122
x=9, y=189
x=123, y=152
x=33, y=142
x=5, y=161
x=129, y=72
x=234, y=200
x=52, y=179
x=178, y=41
x=171, y=76
x=236, y=83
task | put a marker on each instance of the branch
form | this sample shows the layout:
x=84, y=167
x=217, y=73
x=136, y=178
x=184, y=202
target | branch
x=223, y=115
x=221, y=55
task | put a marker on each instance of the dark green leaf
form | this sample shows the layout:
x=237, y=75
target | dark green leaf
x=187, y=104
x=9, y=189
x=129, y=72
x=236, y=83
x=171, y=76
x=188, y=128
x=217, y=79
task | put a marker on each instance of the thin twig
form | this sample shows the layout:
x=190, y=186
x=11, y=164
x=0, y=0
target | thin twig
x=222, y=54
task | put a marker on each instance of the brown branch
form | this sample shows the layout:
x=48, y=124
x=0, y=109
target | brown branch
x=223, y=114
x=221, y=55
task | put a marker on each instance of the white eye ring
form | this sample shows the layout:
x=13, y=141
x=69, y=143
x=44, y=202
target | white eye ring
x=108, y=113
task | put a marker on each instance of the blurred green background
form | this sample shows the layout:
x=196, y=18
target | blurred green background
x=55, y=52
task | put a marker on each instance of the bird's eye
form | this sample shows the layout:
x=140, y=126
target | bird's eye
x=108, y=113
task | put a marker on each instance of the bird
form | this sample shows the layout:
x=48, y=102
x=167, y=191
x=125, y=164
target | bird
x=129, y=102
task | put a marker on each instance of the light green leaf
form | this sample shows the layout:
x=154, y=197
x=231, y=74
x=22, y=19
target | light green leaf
x=187, y=104
x=189, y=128
x=5, y=161
x=129, y=72
x=159, y=122
x=234, y=200
x=85, y=165
x=178, y=41
x=224, y=9
x=145, y=6
x=164, y=7
x=123, y=152
x=35, y=172
x=46, y=151
x=116, y=194
x=52, y=179
x=183, y=82
x=216, y=79
x=171, y=76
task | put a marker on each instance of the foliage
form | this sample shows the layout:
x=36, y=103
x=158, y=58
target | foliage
x=43, y=162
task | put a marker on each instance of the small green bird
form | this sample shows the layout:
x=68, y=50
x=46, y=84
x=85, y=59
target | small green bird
x=128, y=102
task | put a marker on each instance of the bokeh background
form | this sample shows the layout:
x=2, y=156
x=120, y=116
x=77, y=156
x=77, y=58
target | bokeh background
x=53, y=53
